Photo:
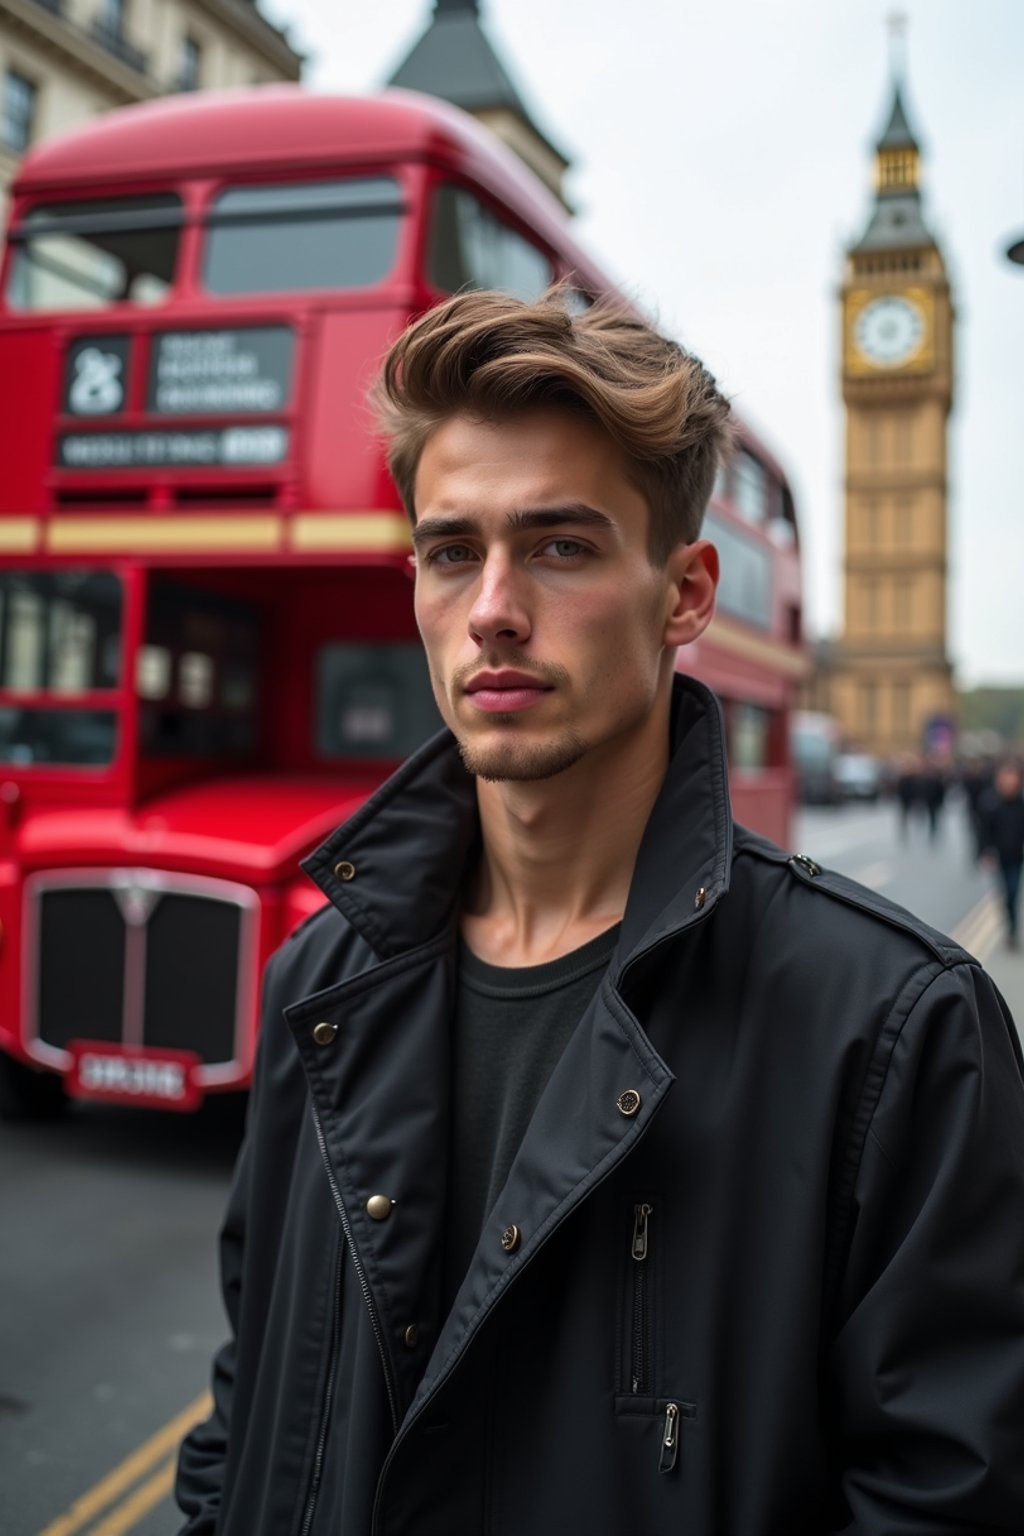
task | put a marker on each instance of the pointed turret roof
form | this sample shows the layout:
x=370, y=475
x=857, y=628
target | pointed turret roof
x=897, y=220
x=454, y=59
x=898, y=134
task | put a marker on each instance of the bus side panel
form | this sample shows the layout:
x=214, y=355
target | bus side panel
x=343, y=463
x=10, y=959
x=28, y=369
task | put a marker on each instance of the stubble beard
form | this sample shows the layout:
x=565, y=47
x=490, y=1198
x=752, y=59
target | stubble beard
x=513, y=760
x=520, y=761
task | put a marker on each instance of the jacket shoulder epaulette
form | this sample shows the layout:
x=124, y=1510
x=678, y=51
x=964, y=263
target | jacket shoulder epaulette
x=829, y=882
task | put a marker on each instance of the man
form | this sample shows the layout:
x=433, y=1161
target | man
x=608, y=1171
x=1001, y=814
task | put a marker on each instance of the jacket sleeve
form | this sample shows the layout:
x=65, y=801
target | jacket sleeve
x=926, y=1370
x=201, y=1460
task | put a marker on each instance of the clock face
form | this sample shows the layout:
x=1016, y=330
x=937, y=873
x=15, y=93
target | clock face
x=889, y=330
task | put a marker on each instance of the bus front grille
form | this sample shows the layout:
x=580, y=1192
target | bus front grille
x=141, y=959
x=81, y=967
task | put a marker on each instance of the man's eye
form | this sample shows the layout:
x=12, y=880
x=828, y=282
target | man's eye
x=450, y=554
x=566, y=549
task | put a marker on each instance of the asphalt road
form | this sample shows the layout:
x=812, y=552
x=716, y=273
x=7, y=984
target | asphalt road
x=109, y=1308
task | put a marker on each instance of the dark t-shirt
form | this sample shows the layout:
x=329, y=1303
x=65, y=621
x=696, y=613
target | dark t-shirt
x=510, y=1029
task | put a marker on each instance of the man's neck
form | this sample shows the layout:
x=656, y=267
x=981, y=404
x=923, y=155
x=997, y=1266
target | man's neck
x=558, y=854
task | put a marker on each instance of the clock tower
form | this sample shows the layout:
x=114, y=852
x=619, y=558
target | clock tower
x=890, y=678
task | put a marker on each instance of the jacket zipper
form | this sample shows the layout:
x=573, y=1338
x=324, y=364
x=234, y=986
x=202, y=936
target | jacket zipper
x=326, y=1401
x=669, y=1438
x=374, y=1324
x=640, y=1355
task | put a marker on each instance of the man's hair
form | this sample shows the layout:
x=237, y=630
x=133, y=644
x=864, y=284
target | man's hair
x=487, y=355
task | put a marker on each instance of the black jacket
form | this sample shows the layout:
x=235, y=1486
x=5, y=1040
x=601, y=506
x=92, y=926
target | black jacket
x=817, y=1323
x=1002, y=826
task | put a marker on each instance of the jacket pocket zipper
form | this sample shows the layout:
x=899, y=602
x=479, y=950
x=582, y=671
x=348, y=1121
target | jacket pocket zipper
x=641, y=1343
x=669, y=1438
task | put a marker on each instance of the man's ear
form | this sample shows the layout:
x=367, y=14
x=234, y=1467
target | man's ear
x=693, y=573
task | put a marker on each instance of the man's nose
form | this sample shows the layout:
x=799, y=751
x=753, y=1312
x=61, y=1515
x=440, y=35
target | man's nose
x=499, y=610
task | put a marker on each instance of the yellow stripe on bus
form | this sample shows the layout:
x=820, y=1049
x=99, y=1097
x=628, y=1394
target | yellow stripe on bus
x=130, y=1470
x=164, y=535
x=339, y=531
x=18, y=535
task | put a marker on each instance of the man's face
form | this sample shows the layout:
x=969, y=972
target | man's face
x=543, y=619
x=1008, y=781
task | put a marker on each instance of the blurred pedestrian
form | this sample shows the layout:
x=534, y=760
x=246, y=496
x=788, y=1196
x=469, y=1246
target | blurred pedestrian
x=907, y=792
x=1003, y=840
x=932, y=792
x=976, y=781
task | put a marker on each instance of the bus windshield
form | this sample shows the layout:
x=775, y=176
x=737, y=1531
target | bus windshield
x=60, y=634
x=303, y=235
x=89, y=255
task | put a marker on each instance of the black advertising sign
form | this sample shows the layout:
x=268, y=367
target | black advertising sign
x=96, y=376
x=199, y=373
x=236, y=447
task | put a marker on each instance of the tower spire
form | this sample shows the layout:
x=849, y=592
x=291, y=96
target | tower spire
x=896, y=218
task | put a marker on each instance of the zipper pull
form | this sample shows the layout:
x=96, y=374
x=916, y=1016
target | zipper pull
x=640, y=1215
x=669, y=1438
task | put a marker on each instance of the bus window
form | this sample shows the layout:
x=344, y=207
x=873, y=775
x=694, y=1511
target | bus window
x=748, y=732
x=196, y=674
x=60, y=631
x=745, y=585
x=749, y=488
x=90, y=255
x=372, y=700
x=470, y=247
x=75, y=738
x=301, y=235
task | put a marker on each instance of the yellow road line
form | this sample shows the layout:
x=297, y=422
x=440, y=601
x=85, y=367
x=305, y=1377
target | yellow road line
x=130, y=1470
x=139, y=1504
x=978, y=930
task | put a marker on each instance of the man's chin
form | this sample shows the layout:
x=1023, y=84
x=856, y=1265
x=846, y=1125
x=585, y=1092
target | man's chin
x=517, y=761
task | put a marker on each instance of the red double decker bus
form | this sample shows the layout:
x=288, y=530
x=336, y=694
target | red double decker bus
x=207, y=649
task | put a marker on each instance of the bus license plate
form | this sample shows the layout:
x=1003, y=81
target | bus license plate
x=159, y=1079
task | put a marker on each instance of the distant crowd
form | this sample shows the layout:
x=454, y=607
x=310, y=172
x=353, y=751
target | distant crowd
x=994, y=802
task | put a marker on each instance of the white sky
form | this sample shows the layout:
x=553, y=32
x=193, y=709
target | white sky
x=722, y=158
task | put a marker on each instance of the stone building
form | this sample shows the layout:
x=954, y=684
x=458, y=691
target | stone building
x=64, y=61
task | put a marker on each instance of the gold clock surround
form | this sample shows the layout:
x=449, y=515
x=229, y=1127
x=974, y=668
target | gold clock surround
x=921, y=360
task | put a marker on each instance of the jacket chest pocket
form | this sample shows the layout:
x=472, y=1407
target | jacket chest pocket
x=639, y=1303
x=640, y=1394
x=639, y=1299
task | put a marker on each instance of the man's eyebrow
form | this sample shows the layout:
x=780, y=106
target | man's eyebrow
x=573, y=514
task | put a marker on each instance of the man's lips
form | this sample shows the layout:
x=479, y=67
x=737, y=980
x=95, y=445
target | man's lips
x=505, y=692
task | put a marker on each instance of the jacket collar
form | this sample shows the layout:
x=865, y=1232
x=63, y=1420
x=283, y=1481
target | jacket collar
x=395, y=869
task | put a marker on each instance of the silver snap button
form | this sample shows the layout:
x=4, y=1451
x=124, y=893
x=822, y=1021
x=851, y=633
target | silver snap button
x=324, y=1033
x=628, y=1103
x=378, y=1207
x=511, y=1238
x=345, y=870
x=700, y=898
